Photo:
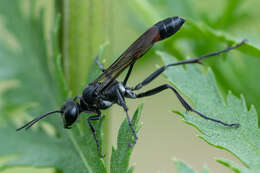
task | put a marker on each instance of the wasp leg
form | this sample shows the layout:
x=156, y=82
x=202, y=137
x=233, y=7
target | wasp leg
x=122, y=103
x=128, y=74
x=100, y=65
x=183, y=102
x=155, y=74
x=95, y=117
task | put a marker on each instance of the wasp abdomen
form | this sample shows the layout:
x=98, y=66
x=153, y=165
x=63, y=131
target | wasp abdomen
x=169, y=26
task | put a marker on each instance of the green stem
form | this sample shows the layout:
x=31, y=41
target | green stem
x=82, y=35
x=85, y=26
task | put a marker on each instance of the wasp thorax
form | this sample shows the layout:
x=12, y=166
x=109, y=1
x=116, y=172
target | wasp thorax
x=89, y=94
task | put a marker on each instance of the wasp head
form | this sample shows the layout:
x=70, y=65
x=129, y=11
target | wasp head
x=70, y=112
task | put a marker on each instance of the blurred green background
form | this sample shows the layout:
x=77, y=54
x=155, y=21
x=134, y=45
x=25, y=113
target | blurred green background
x=85, y=25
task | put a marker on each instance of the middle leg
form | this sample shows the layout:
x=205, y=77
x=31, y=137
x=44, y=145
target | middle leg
x=122, y=103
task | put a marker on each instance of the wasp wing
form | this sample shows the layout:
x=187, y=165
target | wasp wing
x=128, y=57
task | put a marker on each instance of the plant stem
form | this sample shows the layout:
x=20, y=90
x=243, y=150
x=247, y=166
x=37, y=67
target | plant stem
x=82, y=35
x=85, y=26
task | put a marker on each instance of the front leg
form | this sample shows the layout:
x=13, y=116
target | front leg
x=122, y=103
x=95, y=117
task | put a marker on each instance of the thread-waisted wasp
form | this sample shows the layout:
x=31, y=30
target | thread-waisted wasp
x=105, y=91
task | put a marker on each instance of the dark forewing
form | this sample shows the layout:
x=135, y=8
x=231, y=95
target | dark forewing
x=134, y=52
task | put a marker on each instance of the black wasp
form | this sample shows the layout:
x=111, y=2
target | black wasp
x=106, y=90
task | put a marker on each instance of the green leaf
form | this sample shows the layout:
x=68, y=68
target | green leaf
x=184, y=168
x=120, y=158
x=235, y=167
x=230, y=15
x=192, y=29
x=198, y=30
x=196, y=38
x=201, y=89
x=131, y=169
x=34, y=84
x=41, y=150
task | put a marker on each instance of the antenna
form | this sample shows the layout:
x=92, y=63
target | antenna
x=31, y=123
